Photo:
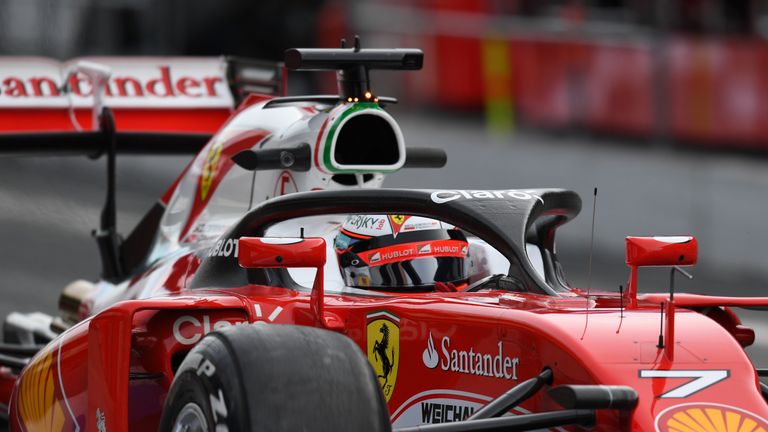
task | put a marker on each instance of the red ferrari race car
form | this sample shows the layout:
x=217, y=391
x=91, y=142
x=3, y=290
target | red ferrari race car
x=275, y=286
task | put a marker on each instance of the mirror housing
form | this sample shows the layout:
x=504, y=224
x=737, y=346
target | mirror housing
x=275, y=252
x=657, y=251
x=661, y=251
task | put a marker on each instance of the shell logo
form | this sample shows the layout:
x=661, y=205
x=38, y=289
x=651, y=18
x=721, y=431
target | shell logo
x=38, y=406
x=708, y=417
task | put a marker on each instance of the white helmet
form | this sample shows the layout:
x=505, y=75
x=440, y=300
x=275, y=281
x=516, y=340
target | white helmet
x=400, y=253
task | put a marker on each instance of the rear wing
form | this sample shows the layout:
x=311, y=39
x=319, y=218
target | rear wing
x=108, y=105
x=145, y=94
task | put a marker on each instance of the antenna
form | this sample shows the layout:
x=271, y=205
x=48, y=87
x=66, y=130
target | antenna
x=621, y=301
x=661, y=328
x=357, y=43
x=591, y=242
x=621, y=308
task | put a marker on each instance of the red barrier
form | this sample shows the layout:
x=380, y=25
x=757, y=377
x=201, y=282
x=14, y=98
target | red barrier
x=718, y=90
x=712, y=89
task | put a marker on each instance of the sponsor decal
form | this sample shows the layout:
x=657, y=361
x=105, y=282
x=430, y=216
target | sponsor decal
x=447, y=249
x=174, y=82
x=397, y=253
x=366, y=222
x=374, y=257
x=209, y=169
x=445, y=411
x=698, y=380
x=224, y=248
x=390, y=255
x=188, y=330
x=396, y=223
x=444, y=196
x=271, y=318
x=438, y=406
x=39, y=408
x=383, y=348
x=708, y=417
x=472, y=362
x=429, y=356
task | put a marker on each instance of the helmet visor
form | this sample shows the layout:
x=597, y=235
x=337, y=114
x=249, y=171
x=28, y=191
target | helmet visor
x=418, y=274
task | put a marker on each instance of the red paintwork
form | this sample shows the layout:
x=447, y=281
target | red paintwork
x=197, y=120
x=582, y=343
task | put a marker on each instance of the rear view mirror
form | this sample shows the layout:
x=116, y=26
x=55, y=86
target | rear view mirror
x=661, y=251
x=272, y=252
x=268, y=252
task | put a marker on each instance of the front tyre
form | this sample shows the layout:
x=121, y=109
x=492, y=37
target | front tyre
x=275, y=378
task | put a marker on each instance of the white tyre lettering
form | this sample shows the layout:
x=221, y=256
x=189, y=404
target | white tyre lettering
x=218, y=406
x=206, y=368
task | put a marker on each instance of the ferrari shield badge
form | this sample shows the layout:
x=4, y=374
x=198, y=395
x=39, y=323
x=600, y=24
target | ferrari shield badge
x=383, y=340
x=396, y=223
x=209, y=169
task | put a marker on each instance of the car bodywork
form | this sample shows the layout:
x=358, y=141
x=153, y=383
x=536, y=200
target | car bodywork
x=274, y=182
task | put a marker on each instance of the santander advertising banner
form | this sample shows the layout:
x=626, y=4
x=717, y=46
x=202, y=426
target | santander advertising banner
x=139, y=82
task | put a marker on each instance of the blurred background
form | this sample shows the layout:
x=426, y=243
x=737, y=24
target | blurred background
x=660, y=104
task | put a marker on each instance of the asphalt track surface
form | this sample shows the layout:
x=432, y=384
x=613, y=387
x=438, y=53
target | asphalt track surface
x=48, y=207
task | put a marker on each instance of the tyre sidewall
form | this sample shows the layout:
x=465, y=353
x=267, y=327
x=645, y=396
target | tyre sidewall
x=208, y=378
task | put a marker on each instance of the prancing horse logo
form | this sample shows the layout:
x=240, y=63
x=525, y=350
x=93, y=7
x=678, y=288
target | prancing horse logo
x=383, y=341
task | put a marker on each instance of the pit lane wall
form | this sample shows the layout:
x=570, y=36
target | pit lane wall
x=562, y=75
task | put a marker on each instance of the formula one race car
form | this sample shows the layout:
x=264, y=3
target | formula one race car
x=276, y=287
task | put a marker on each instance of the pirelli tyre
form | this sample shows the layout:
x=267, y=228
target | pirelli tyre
x=275, y=378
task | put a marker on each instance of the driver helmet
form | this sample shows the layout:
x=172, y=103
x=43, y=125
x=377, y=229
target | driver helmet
x=401, y=253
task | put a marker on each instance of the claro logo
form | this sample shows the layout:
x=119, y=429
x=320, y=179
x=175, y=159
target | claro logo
x=444, y=196
x=188, y=330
